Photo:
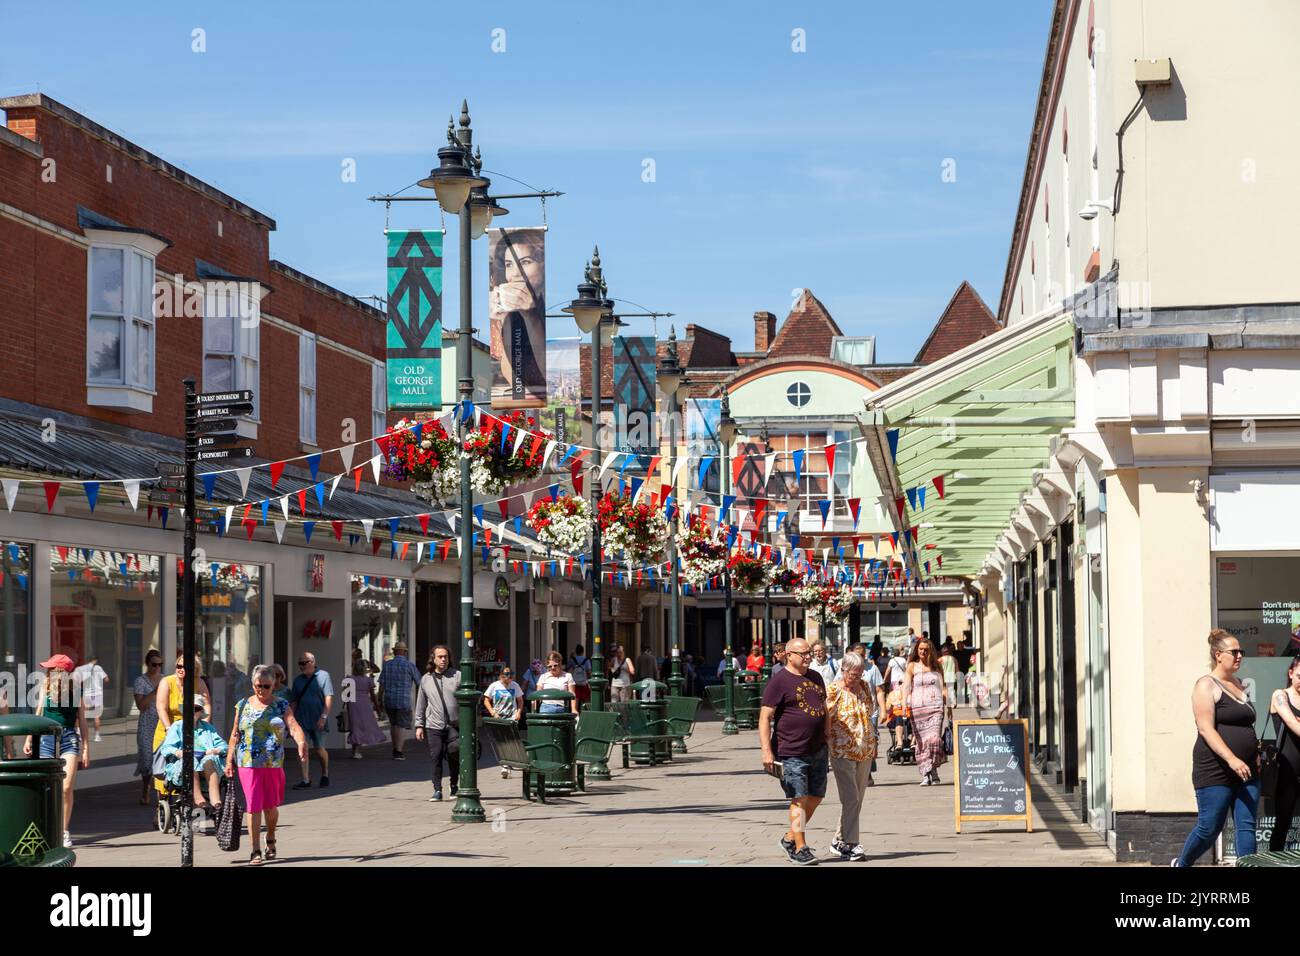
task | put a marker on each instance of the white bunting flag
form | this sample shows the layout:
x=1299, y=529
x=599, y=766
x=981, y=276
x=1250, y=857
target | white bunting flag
x=520, y=435
x=345, y=453
x=458, y=542
x=279, y=530
x=230, y=510
x=374, y=467
x=741, y=515
x=334, y=483
x=284, y=507
x=677, y=471
x=132, y=489
x=453, y=519
x=243, y=474
x=367, y=525
x=546, y=456
x=478, y=417
x=875, y=541
x=768, y=461
x=11, y=491
x=529, y=497
x=609, y=460
x=419, y=551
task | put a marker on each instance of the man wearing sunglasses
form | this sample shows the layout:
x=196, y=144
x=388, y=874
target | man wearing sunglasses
x=312, y=698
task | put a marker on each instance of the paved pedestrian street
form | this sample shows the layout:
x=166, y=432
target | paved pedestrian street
x=712, y=806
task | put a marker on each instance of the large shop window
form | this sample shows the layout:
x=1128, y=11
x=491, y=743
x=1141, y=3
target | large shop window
x=1258, y=601
x=15, y=623
x=378, y=616
x=119, y=320
x=106, y=608
x=229, y=635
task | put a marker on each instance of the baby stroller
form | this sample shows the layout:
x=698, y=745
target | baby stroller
x=167, y=814
x=904, y=753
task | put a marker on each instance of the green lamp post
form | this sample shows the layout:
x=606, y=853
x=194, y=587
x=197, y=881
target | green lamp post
x=726, y=435
x=670, y=380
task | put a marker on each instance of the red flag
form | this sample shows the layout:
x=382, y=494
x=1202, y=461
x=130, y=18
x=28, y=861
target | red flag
x=383, y=441
x=575, y=470
x=654, y=467
x=424, y=523
x=830, y=459
x=444, y=548
x=405, y=546
x=277, y=469
x=568, y=565
x=247, y=508
x=900, y=503
x=535, y=447
x=487, y=536
x=51, y=492
x=249, y=526
x=302, y=501
x=63, y=553
x=503, y=505
x=855, y=505
x=737, y=466
x=939, y=558
x=916, y=534
x=151, y=512
x=356, y=475
x=374, y=546
x=338, y=530
x=938, y=485
x=759, y=505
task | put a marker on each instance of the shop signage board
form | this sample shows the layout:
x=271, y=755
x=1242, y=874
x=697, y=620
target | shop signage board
x=229, y=410
x=211, y=426
x=225, y=398
x=225, y=453
x=991, y=759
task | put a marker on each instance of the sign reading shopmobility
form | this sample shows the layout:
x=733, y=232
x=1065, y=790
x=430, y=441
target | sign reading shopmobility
x=415, y=320
x=990, y=759
x=223, y=454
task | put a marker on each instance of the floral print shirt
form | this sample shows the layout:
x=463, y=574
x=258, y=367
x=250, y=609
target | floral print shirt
x=853, y=732
x=261, y=733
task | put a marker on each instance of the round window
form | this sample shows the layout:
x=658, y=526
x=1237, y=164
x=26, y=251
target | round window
x=798, y=394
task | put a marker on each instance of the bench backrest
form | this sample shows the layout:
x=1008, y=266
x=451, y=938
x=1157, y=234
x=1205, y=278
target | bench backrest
x=717, y=694
x=507, y=742
x=682, y=712
x=597, y=731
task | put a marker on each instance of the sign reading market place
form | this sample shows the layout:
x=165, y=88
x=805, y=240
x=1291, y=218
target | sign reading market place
x=415, y=320
x=990, y=758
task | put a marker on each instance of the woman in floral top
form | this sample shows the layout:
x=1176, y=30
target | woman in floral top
x=257, y=748
x=851, y=735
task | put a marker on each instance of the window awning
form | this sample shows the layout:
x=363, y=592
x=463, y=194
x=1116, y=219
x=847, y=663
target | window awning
x=980, y=421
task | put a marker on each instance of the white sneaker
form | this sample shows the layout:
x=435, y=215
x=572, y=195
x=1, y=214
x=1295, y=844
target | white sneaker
x=926, y=782
x=356, y=755
x=505, y=773
x=98, y=739
x=67, y=840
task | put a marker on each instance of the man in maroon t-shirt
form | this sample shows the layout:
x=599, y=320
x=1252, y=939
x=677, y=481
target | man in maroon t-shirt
x=792, y=729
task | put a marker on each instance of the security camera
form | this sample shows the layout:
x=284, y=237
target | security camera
x=1094, y=206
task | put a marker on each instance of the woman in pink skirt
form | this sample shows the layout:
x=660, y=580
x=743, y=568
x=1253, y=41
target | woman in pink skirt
x=257, y=749
x=924, y=691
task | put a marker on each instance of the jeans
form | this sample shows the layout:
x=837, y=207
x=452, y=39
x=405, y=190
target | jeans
x=437, y=740
x=805, y=776
x=1212, y=805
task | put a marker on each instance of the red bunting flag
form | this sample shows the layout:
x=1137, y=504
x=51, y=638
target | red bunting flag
x=830, y=459
x=487, y=536
x=383, y=441
x=654, y=467
x=568, y=566
x=247, y=508
x=503, y=505
x=444, y=548
x=356, y=476
x=250, y=526
x=939, y=558
x=277, y=469
x=51, y=492
x=338, y=530
x=534, y=449
x=938, y=485
x=575, y=471
x=405, y=547
x=63, y=553
x=916, y=534
x=737, y=466
x=374, y=546
x=424, y=523
x=855, y=505
x=759, y=505
x=900, y=504
x=302, y=501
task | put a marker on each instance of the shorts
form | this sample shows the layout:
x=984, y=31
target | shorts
x=69, y=743
x=315, y=737
x=804, y=776
x=399, y=717
x=895, y=722
x=583, y=693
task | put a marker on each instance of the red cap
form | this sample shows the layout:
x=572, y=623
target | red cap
x=59, y=661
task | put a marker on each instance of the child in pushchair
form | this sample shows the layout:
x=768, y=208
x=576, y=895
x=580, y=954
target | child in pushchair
x=901, y=751
x=209, y=767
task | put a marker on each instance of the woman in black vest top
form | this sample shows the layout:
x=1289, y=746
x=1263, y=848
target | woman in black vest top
x=1225, y=757
x=1285, y=709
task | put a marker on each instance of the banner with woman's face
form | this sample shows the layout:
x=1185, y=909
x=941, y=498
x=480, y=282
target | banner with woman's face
x=517, y=309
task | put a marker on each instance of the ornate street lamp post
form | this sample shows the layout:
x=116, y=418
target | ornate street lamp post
x=726, y=435
x=593, y=312
x=670, y=380
x=455, y=178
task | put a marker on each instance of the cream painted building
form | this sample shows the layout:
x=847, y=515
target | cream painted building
x=1141, y=488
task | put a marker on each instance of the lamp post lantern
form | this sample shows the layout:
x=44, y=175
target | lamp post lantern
x=727, y=434
x=453, y=181
x=670, y=380
x=592, y=311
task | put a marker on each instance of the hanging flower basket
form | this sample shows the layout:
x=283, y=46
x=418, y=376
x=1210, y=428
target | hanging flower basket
x=830, y=602
x=429, y=461
x=703, y=551
x=788, y=580
x=637, y=531
x=494, y=468
x=562, y=524
x=750, y=573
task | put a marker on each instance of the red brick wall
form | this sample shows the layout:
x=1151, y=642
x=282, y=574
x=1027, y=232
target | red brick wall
x=44, y=283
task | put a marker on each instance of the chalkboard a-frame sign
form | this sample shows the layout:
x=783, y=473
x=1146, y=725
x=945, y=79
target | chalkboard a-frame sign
x=991, y=758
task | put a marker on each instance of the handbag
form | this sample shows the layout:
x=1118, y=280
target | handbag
x=230, y=819
x=947, y=740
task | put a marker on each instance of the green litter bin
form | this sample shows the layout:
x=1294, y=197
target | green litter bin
x=554, y=736
x=31, y=799
x=749, y=695
x=653, y=697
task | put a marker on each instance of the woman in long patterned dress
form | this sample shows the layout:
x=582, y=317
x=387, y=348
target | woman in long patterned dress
x=145, y=690
x=924, y=691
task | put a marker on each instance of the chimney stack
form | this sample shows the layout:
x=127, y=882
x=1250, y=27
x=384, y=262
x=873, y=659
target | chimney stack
x=764, y=331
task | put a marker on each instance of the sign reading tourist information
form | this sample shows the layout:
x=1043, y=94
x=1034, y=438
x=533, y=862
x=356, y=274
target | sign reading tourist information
x=225, y=398
x=990, y=758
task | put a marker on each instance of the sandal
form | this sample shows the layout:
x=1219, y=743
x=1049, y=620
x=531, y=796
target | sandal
x=270, y=849
x=255, y=858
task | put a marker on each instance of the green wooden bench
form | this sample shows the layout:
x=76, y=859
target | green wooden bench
x=717, y=697
x=598, y=731
x=511, y=751
x=682, y=713
x=653, y=737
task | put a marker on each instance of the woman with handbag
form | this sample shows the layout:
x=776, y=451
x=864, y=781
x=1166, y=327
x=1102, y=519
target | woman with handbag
x=257, y=749
x=1285, y=708
x=1225, y=755
x=437, y=719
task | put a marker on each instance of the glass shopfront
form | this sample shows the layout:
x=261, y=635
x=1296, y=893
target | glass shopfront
x=379, y=616
x=105, y=608
x=1258, y=600
x=15, y=622
x=229, y=638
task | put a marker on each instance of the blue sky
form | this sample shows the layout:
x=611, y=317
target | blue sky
x=774, y=170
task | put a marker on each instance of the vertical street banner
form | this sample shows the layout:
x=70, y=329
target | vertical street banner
x=517, y=310
x=414, y=361
x=635, y=369
x=703, y=416
x=563, y=390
